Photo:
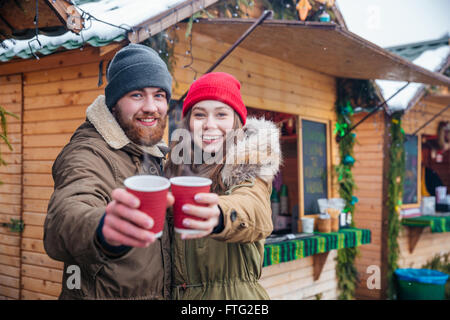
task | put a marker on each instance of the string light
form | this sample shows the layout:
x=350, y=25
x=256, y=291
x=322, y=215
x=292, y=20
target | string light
x=90, y=16
x=36, y=23
x=189, y=53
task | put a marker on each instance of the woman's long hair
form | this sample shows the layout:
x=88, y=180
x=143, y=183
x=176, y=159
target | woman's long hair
x=211, y=171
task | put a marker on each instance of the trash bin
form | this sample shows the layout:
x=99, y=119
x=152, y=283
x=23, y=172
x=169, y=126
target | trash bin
x=421, y=284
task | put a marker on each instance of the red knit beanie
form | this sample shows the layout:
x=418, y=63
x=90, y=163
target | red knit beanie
x=218, y=86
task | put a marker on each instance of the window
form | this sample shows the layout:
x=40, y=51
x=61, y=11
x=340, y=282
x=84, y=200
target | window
x=411, y=181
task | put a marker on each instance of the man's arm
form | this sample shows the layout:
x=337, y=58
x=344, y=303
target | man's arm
x=83, y=177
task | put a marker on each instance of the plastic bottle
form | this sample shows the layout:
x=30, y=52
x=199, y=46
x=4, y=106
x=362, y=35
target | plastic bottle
x=275, y=205
x=284, y=201
x=342, y=220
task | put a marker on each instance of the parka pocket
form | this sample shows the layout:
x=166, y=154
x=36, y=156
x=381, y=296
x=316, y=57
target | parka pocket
x=89, y=280
x=200, y=243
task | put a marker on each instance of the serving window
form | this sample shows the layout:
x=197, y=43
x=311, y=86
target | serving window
x=305, y=146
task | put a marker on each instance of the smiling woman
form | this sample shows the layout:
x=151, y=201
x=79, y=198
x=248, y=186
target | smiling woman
x=227, y=262
x=209, y=122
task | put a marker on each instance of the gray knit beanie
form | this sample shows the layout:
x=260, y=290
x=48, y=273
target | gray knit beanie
x=136, y=67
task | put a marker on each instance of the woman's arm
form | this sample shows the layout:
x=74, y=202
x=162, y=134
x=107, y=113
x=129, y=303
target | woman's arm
x=247, y=215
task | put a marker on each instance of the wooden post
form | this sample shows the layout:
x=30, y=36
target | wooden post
x=67, y=14
x=385, y=210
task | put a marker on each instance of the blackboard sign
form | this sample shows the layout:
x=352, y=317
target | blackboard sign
x=410, y=187
x=314, y=142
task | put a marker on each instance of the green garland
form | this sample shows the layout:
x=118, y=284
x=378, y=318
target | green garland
x=395, y=190
x=4, y=132
x=440, y=262
x=350, y=93
x=346, y=272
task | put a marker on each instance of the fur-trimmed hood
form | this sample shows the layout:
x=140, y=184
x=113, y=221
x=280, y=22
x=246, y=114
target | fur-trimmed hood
x=107, y=126
x=256, y=155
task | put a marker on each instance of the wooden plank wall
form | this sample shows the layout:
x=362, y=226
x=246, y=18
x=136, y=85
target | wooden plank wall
x=55, y=101
x=54, y=104
x=422, y=112
x=429, y=245
x=271, y=84
x=368, y=175
x=11, y=189
x=293, y=280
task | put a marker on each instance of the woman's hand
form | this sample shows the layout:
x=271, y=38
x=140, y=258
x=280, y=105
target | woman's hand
x=210, y=213
x=124, y=224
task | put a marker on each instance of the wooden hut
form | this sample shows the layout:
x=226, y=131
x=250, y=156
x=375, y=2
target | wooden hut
x=420, y=104
x=286, y=68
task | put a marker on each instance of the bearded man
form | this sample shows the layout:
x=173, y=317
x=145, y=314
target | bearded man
x=93, y=225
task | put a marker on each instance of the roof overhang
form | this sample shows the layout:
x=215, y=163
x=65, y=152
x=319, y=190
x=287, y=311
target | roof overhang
x=55, y=18
x=166, y=19
x=324, y=47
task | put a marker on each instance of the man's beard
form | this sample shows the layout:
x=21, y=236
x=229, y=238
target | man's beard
x=144, y=136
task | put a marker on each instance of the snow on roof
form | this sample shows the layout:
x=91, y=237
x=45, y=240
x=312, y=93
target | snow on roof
x=117, y=12
x=432, y=60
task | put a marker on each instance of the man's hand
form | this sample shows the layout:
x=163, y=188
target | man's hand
x=124, y=224
x=210, y=213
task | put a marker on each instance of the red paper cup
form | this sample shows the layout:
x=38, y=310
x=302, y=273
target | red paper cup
x=152, y=192
x=184, y=189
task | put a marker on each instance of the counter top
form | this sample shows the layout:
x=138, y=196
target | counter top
x=436, y=223
x=319, y=243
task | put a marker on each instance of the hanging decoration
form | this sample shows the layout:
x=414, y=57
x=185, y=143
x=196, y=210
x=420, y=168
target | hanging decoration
x=395, y=190
x=303, y=8
x=348, y=160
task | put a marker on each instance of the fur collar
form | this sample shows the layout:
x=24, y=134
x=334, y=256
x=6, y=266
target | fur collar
x=258, y=154
x=107, y=126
